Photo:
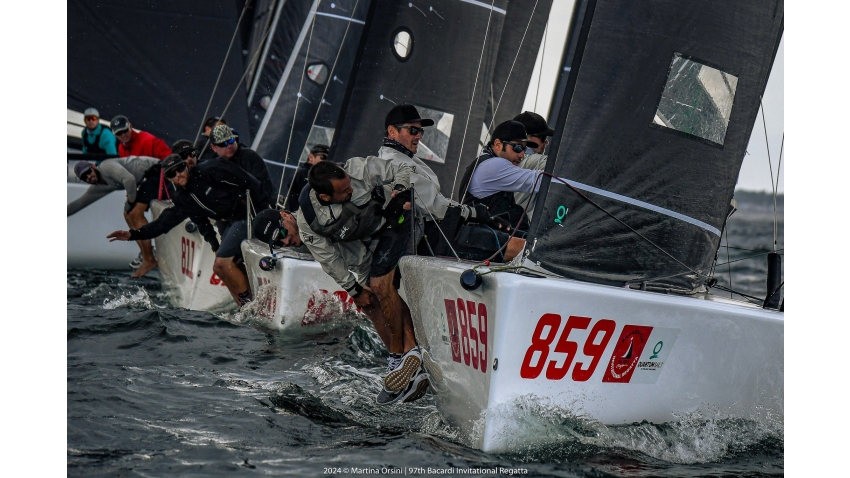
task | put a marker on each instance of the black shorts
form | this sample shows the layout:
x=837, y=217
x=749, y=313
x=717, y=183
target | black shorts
x=148, y=190
x=393, y=244
x=232, y=235
x=477, y=242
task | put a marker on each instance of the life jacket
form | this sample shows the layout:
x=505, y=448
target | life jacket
x=95, y=146
x=355, y=222
x=500, y=204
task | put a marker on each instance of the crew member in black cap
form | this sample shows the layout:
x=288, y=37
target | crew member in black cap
x=214, y=189
x=538, y=131
x=318, y=153
x=187, y=151
x=495, y=175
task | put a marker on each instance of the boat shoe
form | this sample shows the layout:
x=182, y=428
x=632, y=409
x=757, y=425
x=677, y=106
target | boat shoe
x=399, y=375
x=416, y=388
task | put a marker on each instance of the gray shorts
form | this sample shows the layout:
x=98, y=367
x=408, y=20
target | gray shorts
x=232, y=236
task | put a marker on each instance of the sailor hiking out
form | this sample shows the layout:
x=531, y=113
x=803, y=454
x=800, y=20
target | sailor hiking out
x=356, y=223
x=214, y=189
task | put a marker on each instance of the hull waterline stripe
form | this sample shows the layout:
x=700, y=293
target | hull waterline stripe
x=321, y=14
x=645, y=205
x=482, y=4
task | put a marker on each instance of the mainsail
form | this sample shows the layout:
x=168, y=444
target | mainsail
x=659, y=107
x=435, y=56
x=300, y=88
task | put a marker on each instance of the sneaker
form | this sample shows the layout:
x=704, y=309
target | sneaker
x=399, y=374
x=415, y=390
x=135, y=263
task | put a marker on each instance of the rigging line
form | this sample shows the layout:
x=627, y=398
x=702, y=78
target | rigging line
x=255, y=80
x=728, y=266
x=295, y=113
x=776, y=189
x=510, y=72
x=236, y=89
x=772, y=186
x=745, y=258
x=750, y=298
x=223, y=64
x=436, y=223
x=325, y=91
x=623, y=223
x=542, y=57
x=472, y=99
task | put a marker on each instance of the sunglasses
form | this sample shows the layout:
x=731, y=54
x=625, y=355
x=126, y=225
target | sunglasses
x=171, y=173
x=226, y=143
x=92, y=118
x=193, y=153
x=414, y=130
x=518, y=148
x=321, y=156
x=122, y=133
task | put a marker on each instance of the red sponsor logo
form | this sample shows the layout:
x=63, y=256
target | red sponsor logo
x=323, y=306
x=187, y=259
x=467, y=323
x=626, y=353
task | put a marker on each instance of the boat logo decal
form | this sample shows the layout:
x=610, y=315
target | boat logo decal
x=626, y=354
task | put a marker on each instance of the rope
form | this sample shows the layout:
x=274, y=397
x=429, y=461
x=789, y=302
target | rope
x=322, y=100
x=295, y=112
x=232, y=40
x=510, y=72
x=471, y=100
x=773, y=186
x=542, y=58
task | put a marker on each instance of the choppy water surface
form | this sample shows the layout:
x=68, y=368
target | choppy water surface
x=155, y=391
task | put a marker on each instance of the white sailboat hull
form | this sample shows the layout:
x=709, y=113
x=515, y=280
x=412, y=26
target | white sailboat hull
x=296, y=293
x=186, y=267
x=88, y=246
x=651, y=356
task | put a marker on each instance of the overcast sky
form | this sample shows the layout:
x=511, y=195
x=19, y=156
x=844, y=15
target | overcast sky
x=755, y=171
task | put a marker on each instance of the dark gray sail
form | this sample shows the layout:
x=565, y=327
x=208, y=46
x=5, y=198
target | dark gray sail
x=156, y=62
x=659, y=109
x=425, y=54
x=302, y=96
x=518, y=47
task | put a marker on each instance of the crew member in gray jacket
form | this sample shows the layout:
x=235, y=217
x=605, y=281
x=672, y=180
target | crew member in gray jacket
x=139, y=176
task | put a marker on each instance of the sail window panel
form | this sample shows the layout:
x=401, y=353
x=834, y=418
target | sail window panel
x=434, y=145
x=402, y=43
x=317, y=73
x=697, y=100
x=318, y=135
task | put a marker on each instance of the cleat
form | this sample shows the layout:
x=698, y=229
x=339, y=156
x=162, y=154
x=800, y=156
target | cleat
x=398, y=376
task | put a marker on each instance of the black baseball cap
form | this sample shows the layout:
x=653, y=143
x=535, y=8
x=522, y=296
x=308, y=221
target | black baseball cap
x=320, y=149
x=535, y=125
x=266, y=226
x=183, y=147
x=172, y=161
x=119, y=123
x=405, y=114
x=512, y=131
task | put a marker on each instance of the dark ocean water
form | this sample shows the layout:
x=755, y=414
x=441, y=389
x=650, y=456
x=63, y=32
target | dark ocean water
x=158, y=391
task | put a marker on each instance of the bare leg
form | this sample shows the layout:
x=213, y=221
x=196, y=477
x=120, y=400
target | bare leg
x=136, y=219
x=232, y=275
x=375, y=313
x=401, y=340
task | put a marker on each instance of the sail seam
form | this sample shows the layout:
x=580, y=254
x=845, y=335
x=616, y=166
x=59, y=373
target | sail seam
x=645, y=205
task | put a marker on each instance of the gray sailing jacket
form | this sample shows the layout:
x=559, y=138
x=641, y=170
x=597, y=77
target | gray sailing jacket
x=119, y=173
x=535, y=162
x=348, y=262
x=427, y=196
